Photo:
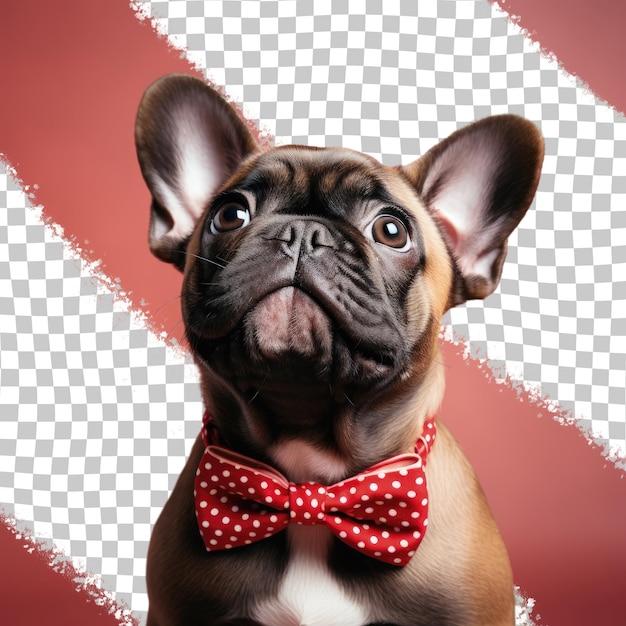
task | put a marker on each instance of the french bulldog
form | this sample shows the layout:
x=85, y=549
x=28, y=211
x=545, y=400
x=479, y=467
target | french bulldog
x=314, y=284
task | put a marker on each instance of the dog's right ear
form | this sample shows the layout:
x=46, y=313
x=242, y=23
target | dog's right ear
x=189, y=141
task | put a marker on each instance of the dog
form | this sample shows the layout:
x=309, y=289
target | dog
x=314, y=284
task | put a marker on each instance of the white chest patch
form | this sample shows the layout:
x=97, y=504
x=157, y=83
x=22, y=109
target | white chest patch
x=309, y=595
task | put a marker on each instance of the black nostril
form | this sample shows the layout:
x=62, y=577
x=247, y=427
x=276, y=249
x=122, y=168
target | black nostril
x=316, y=235
x=304, y=237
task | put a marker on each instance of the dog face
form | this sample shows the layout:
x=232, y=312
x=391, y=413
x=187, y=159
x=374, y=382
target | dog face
x=315, y=279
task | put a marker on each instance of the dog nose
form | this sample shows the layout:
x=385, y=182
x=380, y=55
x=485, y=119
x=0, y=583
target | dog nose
x=305, y=238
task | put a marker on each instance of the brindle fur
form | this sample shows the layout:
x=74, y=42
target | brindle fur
x=365, y=372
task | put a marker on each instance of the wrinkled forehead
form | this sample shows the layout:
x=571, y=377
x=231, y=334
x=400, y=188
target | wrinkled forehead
x=314, y=180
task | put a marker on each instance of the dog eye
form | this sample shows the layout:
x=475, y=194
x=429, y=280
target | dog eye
x=230, y=216
x=391, y=232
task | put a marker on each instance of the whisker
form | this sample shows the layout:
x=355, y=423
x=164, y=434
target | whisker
x=160, y=308
x=203, y=258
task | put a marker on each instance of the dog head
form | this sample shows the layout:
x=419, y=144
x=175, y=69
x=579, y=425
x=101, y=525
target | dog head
x=315, y=279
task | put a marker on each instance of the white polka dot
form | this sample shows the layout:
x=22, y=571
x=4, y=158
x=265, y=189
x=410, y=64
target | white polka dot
x=419, y=481
x=411, y=494
x=225, y=520
x=307, y=515
x=215, y=511
x=338, y=520
x=314, y=503
x=385, y=534
x=225, y=473
x=373, y=487
x=203, y=504
x=273, y=519
x=374, y=539
x=393, y=512
x=218, y=533
x=205, y=524
x=381, y=475
x=404, y=543
x=361, y=544
x=299, y=501
x=369, y=509
x=268, y=499
x=343, y=499
x=417, y=534
x=207, y=466
x=396, y=484
x=243, y=479
x=352, y=490
x=391, y=549
x=256, y=523
x=397, y=560
x=424, y=501
x=356, y=530
x=343, y=534
x=263, y=485
x=321, y=491
x=403, y=472
x=237, y=528
x=204, y=484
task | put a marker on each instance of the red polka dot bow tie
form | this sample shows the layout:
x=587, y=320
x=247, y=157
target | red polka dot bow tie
x=381, y=512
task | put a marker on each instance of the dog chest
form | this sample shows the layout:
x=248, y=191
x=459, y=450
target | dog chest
x=308, y=593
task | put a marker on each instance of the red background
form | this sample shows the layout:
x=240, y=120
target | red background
x=72, y=75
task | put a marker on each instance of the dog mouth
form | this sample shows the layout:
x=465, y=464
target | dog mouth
x=288, y=321
x=289, y=334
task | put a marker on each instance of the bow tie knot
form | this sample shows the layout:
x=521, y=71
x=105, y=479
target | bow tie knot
x=307, y=503
x=382, y=512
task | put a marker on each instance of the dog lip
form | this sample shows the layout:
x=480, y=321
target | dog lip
x=332, y=349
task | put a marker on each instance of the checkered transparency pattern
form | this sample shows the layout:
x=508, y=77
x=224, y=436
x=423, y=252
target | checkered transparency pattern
x=391, y=79
x=96, y=412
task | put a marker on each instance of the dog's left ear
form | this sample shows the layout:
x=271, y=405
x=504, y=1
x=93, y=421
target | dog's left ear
x=189, y=141
x=478, y=184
